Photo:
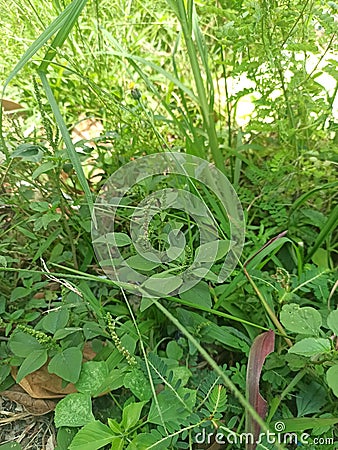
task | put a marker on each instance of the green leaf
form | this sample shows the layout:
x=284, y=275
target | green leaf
x=11, y=446
x=23, y=344
x=114, y=426
x=92, y=376
x=117, y=443
x=131, y=415
x=311, y=347
x=67, y=364
x=64, y=437
x=72, y=154
x=161, y=285
x=305, y=320
x=19, y=292
x=138, y=383
x=174, y=407
x=74, y=410
x=63, y=33
x=182, y=374
x=61, y=334
x=332, y=321
x=92, y=436
x=198, y=295
x=33, y=362
x=310, y=399
x=44, y=168
x=137, y=262
x=305, y=423
x=28, y=152
x=3, y=261
x=118, y=239
x=144, y=441
x=113, y=381
x=55, y=320
x=174, y=351
x=332, y=379
x=212, y=251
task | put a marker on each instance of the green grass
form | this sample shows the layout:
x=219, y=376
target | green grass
x=169, y=77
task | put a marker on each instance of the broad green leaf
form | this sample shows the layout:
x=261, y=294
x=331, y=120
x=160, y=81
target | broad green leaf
x=332, y=378
x=92, y=436
x=311, y=347
x=199, y=295
x=159, y=285
x=332, y=321
x=138, y=383
x=182, y=374
x=173, y=407
x=64, y=437
x=113, y=381
x=19, y=292
x=131, y=414
x=92, y=376
x=310, y=399
x=33, y=362
x=23, y=344
x=61, y=334
x=44, y=168
x=55, y=320
x=118, y=239
x=28, y=152
x=174, y=351
x=137, y=262
x=304, y=320
x=74, y=410
x=114, y=426
x=67, y=364
x=117, y=443
x=39, y=206
x=212, y=251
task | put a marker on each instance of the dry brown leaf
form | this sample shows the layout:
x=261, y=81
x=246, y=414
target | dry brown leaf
x=36, y=407
x=11, y=107
x=42, y=384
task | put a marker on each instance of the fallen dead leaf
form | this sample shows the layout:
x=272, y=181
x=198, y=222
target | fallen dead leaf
x=44, y=385
x=11, y=107
x=36, y=407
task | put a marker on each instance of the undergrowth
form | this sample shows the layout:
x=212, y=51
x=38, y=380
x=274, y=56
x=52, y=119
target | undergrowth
x=248, y=86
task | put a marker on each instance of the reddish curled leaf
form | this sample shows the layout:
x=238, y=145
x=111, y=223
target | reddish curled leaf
x=262, y=346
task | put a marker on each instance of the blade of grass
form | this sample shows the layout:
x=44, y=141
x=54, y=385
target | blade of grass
x=63, y=24
x=63, y=33
x=187, y=17
x=72, y=154
x=327, y=229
